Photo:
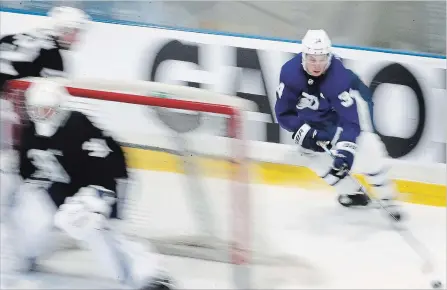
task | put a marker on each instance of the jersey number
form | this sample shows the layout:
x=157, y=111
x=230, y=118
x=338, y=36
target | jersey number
x=24, y=48
x=346, y=99
x=47, y=166
x=279, y=90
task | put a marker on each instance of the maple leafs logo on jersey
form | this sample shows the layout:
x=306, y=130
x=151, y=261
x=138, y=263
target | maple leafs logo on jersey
x=308, y=101
x=97, y=147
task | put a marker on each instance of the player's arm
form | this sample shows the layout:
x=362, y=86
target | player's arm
x=7, y=55
x=289, y=118
x=366, y=111
x=50, y=61
x=285, y=107
x=19, y=52
x=52, y=64
x=104, y=158
x=26, y=167
x=346, y=107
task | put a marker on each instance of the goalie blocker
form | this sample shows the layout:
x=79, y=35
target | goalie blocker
x=70, y=171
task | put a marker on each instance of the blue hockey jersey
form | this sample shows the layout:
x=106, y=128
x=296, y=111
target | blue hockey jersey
x=325, y=102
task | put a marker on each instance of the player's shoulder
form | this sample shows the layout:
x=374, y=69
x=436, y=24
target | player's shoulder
x=338, y=69
x=73, y=120
x=7, y=39
x=78, y=123
x=46, y=40
x=82, y=122
x=77, y=117
x=339, y=75
x=292, y=66
x=292, y=71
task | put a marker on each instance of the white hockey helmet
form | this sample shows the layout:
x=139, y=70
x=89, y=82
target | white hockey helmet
x=45, y=101
x=67, y=23
x=316, y=52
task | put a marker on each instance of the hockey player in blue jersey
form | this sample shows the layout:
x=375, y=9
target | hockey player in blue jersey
x=320, y=100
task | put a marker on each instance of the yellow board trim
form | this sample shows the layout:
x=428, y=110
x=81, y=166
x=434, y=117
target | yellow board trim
x=276, y=174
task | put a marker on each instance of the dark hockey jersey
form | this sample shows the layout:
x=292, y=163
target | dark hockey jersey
x=32, y=54
x=77, y=155
x=325, y=102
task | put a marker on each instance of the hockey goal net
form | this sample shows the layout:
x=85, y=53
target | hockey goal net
x=186, y=149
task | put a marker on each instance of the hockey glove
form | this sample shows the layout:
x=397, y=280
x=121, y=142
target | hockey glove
x=307, y=137
x=96, y=198
x=344, y=158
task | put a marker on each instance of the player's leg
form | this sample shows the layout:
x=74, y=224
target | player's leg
x=371, y=161
x=9, y=181
x=85, y=218
x=372, y=156
x=29, y=227
x=141, y=263
x=373, y=164
x=348, y=191
x=9, y=178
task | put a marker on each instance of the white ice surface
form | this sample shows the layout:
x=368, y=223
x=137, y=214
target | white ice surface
x=335, y=247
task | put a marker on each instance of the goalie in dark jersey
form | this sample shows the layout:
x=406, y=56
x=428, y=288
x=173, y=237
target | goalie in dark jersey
x=70, y=170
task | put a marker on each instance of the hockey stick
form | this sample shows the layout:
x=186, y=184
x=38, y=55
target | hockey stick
x=405, y=233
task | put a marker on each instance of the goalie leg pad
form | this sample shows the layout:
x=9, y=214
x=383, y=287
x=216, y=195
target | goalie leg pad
x=81, y=218
x=84, y=218
x=85, y=213
x=77, y=220
x=27, y=231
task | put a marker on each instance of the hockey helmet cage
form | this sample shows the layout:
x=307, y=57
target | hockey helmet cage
x=45, y=100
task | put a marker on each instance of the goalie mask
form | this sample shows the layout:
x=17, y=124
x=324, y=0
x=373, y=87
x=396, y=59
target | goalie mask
x=44, y=105
x=317, y=52
x=67, y=23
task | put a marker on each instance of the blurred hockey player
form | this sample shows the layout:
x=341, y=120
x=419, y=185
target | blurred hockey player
x=37, y=53
x=71, y=171
x=8, y=157
x=320, y=100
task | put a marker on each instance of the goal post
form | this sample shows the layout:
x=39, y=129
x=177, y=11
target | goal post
x=187, y=147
